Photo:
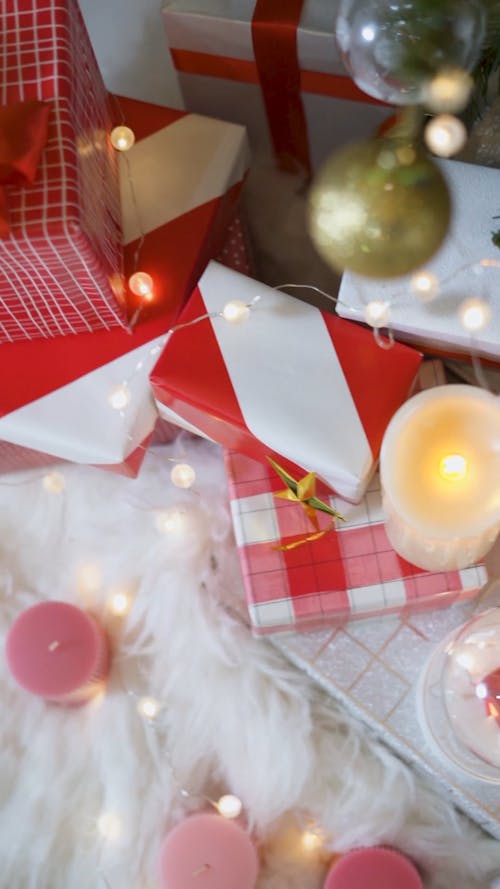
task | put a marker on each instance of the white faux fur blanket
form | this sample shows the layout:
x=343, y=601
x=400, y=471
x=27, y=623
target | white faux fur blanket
x=235, y=716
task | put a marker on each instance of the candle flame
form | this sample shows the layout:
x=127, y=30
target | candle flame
x=453, y=467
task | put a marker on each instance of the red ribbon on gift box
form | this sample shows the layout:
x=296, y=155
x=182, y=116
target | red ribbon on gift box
x=274, y=35
x=23, y=135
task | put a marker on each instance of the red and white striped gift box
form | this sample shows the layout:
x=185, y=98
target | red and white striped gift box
x=57, y=402
x=351, y=572
x=63, y=256
x=289, y=382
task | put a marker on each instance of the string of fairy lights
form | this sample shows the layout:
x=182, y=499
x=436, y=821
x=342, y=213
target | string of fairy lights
x=150, y=708
x=474, y=312
x=444, y=135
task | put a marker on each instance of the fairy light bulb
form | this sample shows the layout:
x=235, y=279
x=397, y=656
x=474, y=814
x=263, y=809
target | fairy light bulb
x=445, y=135
x=377, y=313
x=448, y=90
x=425, y=285
x=474, y=314
x=235, y=311
x=119, y=397
x=311, y=841
x=109, y=825
x=148, y=707
x=453, y=467
x=141, y=284
x=183, y=475
x=89, y=577
x=229, y=806
x=173, y=520
x=119, y=603
x=54, y=482
x=122, y=138
x=466, y=660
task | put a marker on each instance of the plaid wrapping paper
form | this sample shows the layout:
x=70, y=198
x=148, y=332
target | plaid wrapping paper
x=188, y=172
x=236, y=253
x=350, y=572
x=63, y=256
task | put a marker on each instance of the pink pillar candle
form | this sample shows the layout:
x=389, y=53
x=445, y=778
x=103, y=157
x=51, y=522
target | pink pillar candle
x=208, y=852
x=377, y=867
x=59, y=652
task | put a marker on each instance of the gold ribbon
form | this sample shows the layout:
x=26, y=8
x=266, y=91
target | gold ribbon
x=303, y=492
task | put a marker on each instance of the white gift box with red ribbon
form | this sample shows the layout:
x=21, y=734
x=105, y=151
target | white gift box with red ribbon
x=61, y=392
x=466, y=266
x=290, y=382
x=274, y=67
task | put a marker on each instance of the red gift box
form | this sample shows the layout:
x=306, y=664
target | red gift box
x=350, y=572
x=62, y=259
x=57, y=399
x=273, y=66
x=289, y=382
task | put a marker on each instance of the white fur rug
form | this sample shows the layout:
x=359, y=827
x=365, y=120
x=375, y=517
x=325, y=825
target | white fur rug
x=235, y=716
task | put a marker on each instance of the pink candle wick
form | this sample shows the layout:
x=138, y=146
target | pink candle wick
x=75, y=637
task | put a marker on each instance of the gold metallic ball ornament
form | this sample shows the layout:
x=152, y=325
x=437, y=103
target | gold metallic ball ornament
x=380, y=208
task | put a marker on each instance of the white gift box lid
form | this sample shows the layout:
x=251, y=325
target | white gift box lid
x=475, y=194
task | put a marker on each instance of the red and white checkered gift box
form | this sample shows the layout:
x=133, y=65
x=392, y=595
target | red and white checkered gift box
x=289, y=382
x=63, y=256
x=57, y=401
x=350, y=572
x=272, y=65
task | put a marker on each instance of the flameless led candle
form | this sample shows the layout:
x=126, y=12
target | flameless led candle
x=208, y=851
x=440, y=473
x=59, y=652
x=376, y=867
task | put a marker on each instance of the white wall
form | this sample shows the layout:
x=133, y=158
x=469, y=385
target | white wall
x=131, y=48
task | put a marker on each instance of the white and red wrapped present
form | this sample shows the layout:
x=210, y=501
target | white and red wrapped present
x=290, y=382
x=58, y=398
x=466, y=266
x=274, y=67
x=60, y=246
x=350, y=572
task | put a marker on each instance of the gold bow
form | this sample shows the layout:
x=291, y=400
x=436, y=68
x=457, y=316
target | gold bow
x=303, y=492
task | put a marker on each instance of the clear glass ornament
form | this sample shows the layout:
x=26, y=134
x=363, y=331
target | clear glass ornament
x=393, y=47
x=459, y=697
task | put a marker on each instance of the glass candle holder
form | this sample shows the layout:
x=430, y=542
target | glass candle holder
x=440, y=474
x=459, y=697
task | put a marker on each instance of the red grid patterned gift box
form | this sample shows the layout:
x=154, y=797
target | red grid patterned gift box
x=188, y=173
x=63, y=254
x=350, y=572
x=236, y=254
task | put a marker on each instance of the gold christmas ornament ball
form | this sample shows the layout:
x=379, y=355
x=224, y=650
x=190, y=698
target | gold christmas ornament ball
x=379, y=208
